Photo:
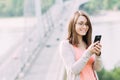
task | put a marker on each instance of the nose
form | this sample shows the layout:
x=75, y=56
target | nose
x=84, y=26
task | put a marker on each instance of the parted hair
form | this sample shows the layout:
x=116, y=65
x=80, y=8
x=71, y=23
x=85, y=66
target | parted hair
x=72, y=34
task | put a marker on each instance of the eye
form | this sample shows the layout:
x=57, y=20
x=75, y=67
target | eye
x=80, y=23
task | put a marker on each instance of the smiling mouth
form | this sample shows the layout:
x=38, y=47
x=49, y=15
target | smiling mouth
x=83, y=30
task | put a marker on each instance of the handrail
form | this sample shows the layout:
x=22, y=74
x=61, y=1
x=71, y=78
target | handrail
x=27, y=49
x=24, y=51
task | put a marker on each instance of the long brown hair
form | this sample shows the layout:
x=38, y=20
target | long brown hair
x=72, y=35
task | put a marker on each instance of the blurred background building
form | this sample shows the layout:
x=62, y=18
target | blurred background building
x=31, y=30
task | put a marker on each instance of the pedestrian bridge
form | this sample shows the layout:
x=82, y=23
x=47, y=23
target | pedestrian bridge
x=34, y=54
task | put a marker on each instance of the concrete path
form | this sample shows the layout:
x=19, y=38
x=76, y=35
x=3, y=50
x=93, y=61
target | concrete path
x=47, y=65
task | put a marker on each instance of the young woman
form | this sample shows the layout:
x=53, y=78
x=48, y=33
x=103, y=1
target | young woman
x=81, y=57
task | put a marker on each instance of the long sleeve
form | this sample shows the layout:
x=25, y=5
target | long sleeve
x=67, y=55
x=98, y=63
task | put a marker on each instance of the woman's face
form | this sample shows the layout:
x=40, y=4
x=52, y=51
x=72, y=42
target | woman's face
x=81, y=26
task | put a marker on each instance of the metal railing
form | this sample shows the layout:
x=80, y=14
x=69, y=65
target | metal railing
x=15, y=67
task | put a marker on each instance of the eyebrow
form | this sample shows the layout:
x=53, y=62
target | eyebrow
x=82, y=22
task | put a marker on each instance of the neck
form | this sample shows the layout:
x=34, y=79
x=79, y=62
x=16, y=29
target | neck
x=80, y=39
x=81, y=44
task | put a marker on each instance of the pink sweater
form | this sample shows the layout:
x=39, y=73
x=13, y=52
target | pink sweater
x=87, y=73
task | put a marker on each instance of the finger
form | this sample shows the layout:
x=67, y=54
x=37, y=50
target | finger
x=98, y=46
x=97, y=49
x=97, y=42
x=96, y=52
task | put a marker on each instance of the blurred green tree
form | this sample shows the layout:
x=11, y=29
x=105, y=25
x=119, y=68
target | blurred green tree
x=94, y=6
x=13, y=8
x=109, y=75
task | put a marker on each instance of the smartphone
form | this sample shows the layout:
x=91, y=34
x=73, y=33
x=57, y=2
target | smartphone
x=97, y=38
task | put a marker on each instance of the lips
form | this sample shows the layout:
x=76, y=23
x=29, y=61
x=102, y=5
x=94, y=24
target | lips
x=83, y=30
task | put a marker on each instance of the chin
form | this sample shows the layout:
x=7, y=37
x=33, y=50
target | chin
x=82, y=34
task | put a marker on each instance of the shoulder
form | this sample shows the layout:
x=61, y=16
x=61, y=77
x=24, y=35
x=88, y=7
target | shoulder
x=65, y=42
x=65, y=45
x=66, y=48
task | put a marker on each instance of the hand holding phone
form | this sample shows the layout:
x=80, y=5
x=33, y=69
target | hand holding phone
x=97, y=38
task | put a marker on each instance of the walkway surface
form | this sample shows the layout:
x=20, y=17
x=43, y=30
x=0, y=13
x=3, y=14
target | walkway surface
x=47, y=65
x=41, y=67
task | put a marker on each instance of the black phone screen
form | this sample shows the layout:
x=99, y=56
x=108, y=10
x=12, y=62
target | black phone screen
x=97, y=38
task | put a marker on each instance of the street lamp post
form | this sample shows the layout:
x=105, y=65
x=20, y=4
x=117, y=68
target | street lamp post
x=38, y=15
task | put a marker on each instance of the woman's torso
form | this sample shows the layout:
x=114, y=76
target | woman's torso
x=87, y=73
